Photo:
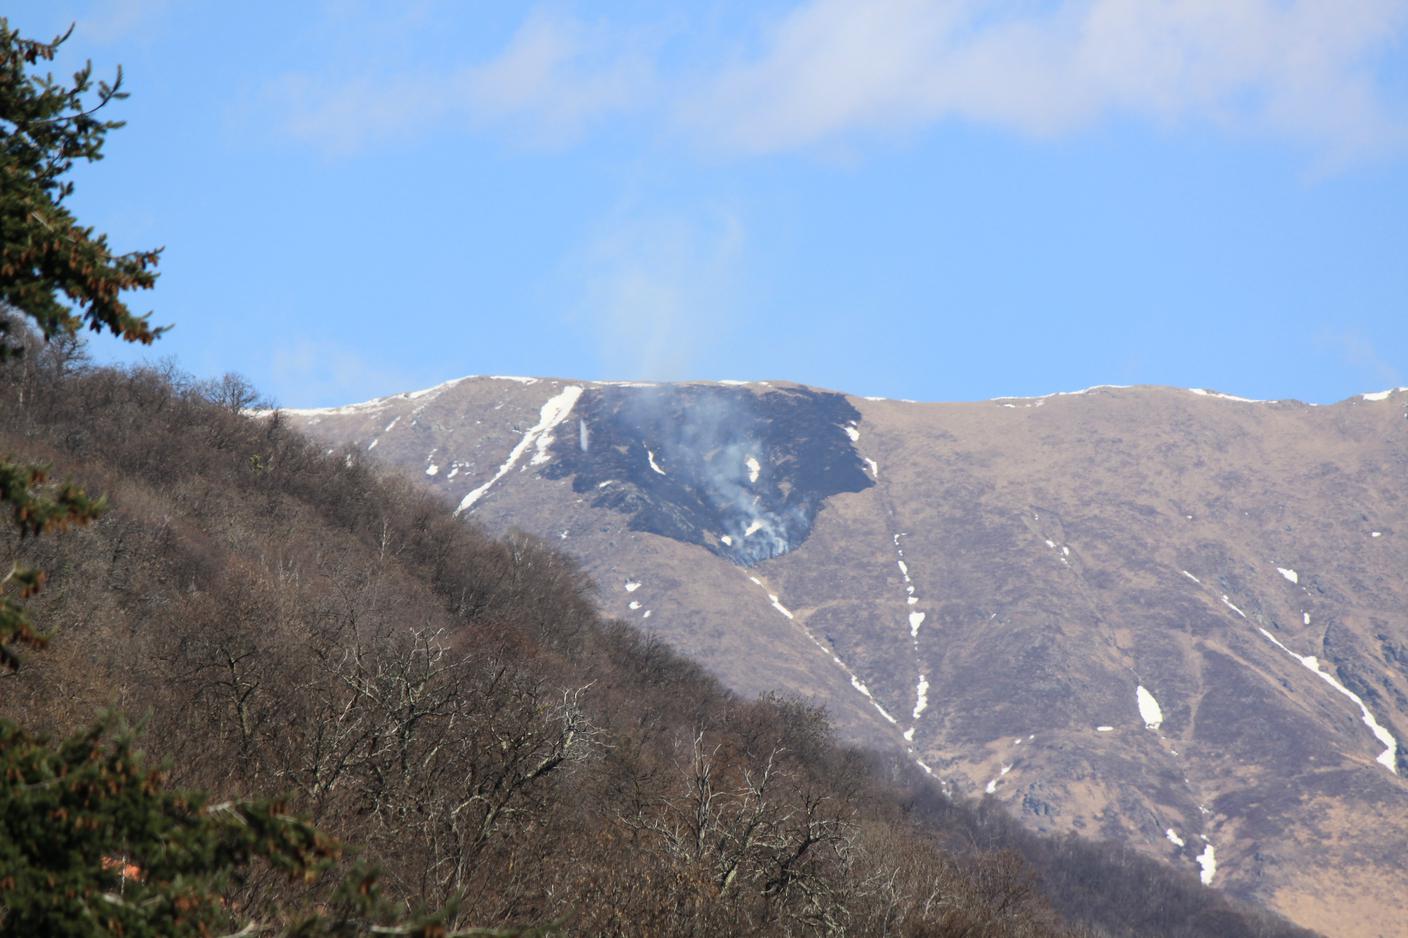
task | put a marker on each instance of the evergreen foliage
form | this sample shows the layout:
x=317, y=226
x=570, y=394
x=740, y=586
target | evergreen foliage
x=93, y=842
x=48, y=260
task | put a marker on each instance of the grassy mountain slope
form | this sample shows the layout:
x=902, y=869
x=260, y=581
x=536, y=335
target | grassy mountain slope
x=285, y=619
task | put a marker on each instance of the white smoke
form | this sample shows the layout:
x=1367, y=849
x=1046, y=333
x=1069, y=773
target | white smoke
x=707, y=441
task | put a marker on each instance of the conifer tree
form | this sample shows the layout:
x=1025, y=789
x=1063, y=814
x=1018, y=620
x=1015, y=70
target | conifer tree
x=54, y=272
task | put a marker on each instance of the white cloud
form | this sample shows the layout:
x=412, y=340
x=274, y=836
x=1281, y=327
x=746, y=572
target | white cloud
x=1305, y=71
x=555, y=77
x=558, y=76
x=1297, y=69
x=111, y=21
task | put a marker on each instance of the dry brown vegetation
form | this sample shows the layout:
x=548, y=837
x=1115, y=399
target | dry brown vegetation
x=283, y=620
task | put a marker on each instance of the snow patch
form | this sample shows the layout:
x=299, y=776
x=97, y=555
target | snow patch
x=1387, y=758
x=553, y=412
x=875, y=470
x=1104, y=729
x=1193, y=578
x=916, y=619
x=633, y=604
x=1227, y=397
x=921, y=696
x=653, y=465
x=389, y=426
x=753, y=468
x=432, y=469
x=1228, y=603
x=632, y=586
x=753, y=526
x=1376, y=534
x=416, y=395
x=726, y=539
x=1207, y=860
x=1173, y=838
x=1149, y=710
x=1043, y=397
x=1289, y=574
x=853, y=433
x=520, y=380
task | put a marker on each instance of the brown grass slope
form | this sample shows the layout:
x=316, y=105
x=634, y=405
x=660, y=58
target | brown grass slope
x=1065, y=551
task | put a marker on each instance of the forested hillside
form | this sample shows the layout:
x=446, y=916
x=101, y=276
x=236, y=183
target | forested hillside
x=283, y=620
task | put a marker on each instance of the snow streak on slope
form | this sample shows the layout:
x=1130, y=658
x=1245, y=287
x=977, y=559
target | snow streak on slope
x=856, y=682
x=1387, y=758
x=1227, y=397
x=916, y=622
x=553, y=412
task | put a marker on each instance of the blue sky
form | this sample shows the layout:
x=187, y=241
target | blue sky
x=950, y=200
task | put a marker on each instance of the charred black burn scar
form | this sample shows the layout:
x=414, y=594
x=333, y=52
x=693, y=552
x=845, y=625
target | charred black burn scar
x=739, y=473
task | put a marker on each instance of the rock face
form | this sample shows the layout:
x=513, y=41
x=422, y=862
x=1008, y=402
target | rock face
x=1173, y=619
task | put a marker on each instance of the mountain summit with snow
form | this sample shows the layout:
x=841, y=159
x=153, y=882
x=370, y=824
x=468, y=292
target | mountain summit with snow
x=1173, y=619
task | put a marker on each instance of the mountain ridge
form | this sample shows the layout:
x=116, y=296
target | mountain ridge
x=1020, y=576
x=778, y=382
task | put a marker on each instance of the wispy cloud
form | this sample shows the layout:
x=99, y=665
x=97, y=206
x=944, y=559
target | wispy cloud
x=1306, y=71
x=658, y=292
x=317, y=373
x=1361, y=355
x=1297, y=69
x=111, y=21
x=555, y=77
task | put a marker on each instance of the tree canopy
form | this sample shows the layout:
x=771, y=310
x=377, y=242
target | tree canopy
x=59, y=273
x=92, y=840
x=54, y=272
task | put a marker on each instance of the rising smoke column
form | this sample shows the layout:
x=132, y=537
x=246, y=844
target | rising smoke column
x=739, y=472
